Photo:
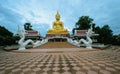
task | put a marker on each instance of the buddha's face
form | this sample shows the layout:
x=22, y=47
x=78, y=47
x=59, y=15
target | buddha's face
x=57, y=17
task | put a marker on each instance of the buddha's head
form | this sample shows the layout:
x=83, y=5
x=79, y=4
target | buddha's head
x=57, y=16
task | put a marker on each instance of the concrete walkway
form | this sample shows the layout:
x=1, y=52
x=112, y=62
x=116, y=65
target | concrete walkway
x=92, y=62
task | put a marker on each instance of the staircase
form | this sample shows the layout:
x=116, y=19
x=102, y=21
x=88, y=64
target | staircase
x=57, y=45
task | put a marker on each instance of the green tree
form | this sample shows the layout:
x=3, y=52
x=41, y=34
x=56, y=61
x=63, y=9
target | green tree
x=6, y=37
x=27, y=26
x=105, y=34
x=83, y=23
x=5, y=32
x=116, y=40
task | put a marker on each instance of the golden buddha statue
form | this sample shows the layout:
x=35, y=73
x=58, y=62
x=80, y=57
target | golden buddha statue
x=57, y=26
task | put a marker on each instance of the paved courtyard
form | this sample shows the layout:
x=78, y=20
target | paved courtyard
x=88, y=62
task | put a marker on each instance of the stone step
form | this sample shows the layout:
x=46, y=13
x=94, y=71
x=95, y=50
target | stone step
x=57, y=45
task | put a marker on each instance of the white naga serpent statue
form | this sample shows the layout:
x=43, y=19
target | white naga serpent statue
x=22, y=43
x=88, y=41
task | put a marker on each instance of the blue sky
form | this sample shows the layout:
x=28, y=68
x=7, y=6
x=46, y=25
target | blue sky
x=41, y=13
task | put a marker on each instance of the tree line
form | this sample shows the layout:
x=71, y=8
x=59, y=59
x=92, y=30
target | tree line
x=6, y=37
x=105, y=33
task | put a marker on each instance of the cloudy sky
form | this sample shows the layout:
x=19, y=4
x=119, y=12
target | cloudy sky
x=41, y=13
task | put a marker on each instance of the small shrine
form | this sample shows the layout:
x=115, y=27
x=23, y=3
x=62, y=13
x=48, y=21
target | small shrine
x=82, y=34
x=32, y=34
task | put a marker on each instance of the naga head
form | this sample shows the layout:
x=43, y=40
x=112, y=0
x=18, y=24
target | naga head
x=21, y=33
x=90, y=31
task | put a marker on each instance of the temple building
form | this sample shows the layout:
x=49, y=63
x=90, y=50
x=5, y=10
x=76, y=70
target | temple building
x=57, y=33
x=82, y=34
x=32, y=34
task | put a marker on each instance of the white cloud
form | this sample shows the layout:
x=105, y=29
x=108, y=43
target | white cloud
x=40, y=12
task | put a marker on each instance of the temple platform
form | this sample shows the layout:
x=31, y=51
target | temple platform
x=56, y=47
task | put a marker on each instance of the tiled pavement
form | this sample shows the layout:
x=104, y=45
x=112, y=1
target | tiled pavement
x=92, y=62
